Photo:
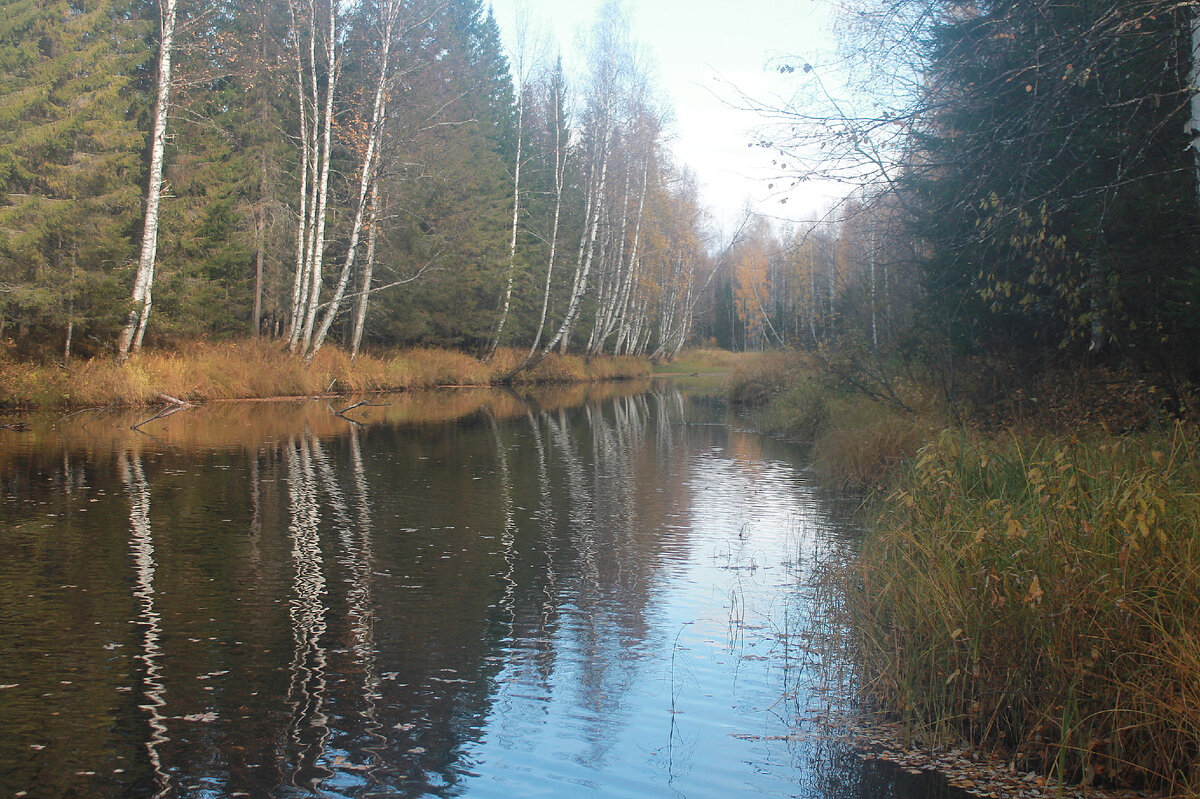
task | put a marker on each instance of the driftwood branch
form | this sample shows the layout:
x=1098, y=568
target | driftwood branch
x=171, y=405
x=342, y=413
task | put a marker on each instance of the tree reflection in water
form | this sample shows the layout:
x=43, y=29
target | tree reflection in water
x=491, y=597
x=148, y=618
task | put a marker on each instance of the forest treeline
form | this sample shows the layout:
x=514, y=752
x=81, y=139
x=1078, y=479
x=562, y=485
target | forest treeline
x=1026, y=196
x=375, y=173
x=1001, y=328
x=380, y=173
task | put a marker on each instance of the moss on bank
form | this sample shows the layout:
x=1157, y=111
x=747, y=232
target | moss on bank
x=254, y=368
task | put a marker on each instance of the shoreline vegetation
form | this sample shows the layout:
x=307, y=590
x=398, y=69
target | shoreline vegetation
x=257, y=369
x=1028, y=583
x=1030, y=593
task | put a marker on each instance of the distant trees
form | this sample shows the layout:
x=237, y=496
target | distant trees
x=1028, y=181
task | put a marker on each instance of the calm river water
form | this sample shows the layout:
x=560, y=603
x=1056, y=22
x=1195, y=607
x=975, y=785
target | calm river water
x=594, y=592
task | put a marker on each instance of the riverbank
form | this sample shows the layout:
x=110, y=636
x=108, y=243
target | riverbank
x=1020, y=589
x=254, y=369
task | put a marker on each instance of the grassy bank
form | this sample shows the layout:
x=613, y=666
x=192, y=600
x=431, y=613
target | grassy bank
x=1029, y=593
x=1042, y=595
x=252, y=369
x=855, y=441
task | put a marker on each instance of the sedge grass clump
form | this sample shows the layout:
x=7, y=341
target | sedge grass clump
x=756, y=377
x=440, y=367
x=855, y=440
x=1041, y=596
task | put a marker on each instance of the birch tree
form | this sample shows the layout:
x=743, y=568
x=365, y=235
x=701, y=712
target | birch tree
x=550, y=93
x=370, y=145
x=608, y=58
x=130, y=339
x=523, y=57
x=316, y=40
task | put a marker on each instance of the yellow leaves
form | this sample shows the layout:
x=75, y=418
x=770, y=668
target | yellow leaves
x=1035, y=594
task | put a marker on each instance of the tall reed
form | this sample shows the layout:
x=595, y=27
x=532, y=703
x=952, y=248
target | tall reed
x=1041, y=596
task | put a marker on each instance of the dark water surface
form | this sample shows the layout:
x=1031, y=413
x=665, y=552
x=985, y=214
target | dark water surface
x=469, y=594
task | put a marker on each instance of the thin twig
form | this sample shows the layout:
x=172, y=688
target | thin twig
x=164, y=413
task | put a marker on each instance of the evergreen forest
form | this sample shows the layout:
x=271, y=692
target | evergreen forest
x=1022, y=178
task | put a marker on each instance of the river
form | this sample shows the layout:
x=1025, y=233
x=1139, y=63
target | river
x=597, y=591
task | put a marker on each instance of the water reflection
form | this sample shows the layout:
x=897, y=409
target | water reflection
x=496, y=596
x=142, y=547
x=308, y=727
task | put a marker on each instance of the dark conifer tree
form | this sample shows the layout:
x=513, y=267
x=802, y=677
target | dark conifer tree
x=70, y=163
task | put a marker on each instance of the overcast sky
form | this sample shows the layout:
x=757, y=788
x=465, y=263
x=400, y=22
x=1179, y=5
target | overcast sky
x=706, y=52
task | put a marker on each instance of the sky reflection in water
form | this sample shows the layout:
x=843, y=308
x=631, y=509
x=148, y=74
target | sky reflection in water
x=575, y=597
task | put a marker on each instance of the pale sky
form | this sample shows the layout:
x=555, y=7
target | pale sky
x=707, y=51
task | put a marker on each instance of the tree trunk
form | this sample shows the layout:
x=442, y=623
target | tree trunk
x=317, y=245
x=560, y=179
x=259, y=256
x=307, y=154
x=1194, y=81
x=360, y=306
x=366, y=181
x=587, y=247
x=512, y=241
x=135, y=323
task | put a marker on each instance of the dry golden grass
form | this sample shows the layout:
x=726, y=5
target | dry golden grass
x=1042, y=596
x=705, y=360
x=256, y=368
x=855, y=442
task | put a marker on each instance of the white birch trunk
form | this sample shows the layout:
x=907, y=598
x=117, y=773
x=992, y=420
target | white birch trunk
x=300, y=282
x=512, y=241
x=621, y=319
x=135, y=322
x=321, y=188
x=874, y=301
x=360, y=308
x=610, y=280
x=587, y=245
x=560, y=179
x=366, y=178
x=1194, y=81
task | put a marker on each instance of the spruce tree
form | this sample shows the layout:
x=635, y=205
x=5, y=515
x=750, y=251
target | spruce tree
x=70, y=162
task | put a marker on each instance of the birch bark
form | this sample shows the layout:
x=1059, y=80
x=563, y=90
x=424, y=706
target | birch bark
x=368, y=168
x=135, y=322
